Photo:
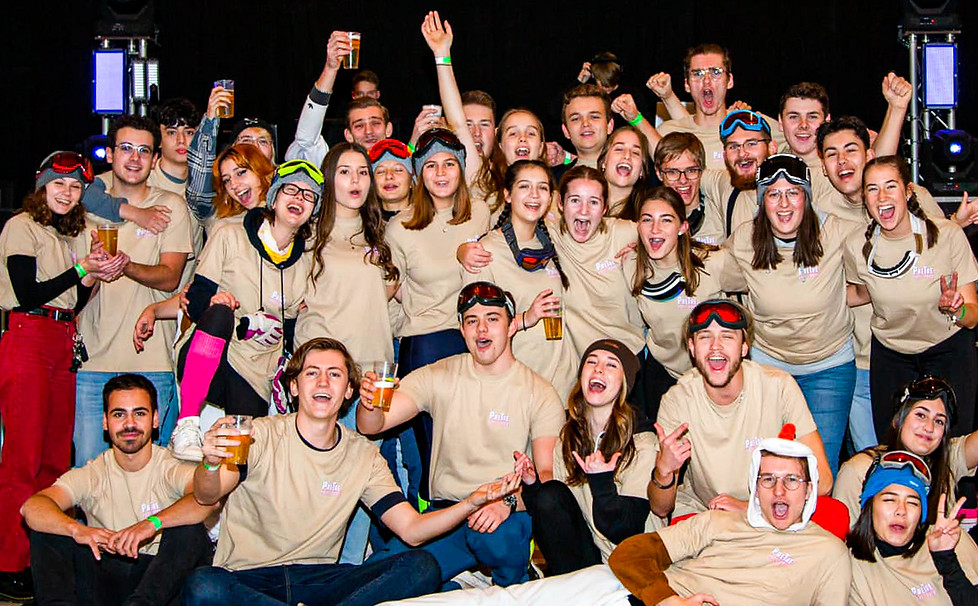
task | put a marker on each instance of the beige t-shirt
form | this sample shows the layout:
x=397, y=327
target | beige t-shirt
x=599, y=302
x=553, y=360
x=107, y=321
x=430, y=281
x=664, y=319
x=113, y=498
x=348, y=301
x=480, y=419
x=710, y=137
x=897, y=581
x=800, y=313
x=232, y=262
x=849, y=482
x=719, y=553
x=632, y=481
x=53, y=253
x=905, y=313
x=295, y=502
x=724, y=437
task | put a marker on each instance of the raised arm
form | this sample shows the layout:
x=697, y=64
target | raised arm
x=201, y=154
x=439, y=37
x=661, y=85
x=624, y=105
x=212, y=479
x=309, y=143
x=897, y=92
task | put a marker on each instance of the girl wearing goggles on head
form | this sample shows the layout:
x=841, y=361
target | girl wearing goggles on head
x=789, y=261
x=923, y=413
x=919, y=274
x=51, y=261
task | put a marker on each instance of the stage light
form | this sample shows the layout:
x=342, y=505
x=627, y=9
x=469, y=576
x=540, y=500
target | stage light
x=94, y=148
x=955, y=147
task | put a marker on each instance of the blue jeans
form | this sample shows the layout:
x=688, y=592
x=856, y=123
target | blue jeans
x=861, y=428
x=829, y=396
x=88, y=438
x=405, y=575
x=505, y=551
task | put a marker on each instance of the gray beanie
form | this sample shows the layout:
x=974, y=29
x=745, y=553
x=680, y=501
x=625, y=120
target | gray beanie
x=296, y=171
x=436, y=140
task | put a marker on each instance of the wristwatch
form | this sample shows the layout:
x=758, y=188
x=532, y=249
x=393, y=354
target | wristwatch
x=510, y=500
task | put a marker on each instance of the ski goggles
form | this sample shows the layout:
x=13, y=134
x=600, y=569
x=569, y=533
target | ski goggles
x=485, y=293
x=726, y=313
x=68, y=164
x=746, y=120
x=788, y=166
x=293, y=166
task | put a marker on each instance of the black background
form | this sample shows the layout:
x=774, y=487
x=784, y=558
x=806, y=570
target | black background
x=524, y=54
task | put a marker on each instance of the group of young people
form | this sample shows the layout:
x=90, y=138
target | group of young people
x=664, y=441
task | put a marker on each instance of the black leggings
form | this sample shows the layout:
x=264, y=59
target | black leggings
x=559, y=528
x=228, y=390
x=954, y=359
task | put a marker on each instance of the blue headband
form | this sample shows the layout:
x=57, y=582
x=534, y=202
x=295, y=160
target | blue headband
x=883, y=477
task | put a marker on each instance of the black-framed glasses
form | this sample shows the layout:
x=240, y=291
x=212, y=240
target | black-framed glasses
x=675, y=174
x=291, y=189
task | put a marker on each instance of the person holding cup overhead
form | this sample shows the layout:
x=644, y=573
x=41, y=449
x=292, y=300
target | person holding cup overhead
x=46, y=277
x=525, y=263
x=284, y=520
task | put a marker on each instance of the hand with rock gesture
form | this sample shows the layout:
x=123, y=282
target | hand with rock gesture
x=596, y=463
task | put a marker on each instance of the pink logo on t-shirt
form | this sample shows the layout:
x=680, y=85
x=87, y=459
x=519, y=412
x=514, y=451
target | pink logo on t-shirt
x=924, y=591
x=330, y=489
x=750, y=444
x=498, y=418
x=603, y=267
x=780, y=558
x=148, y=509
x=142, y=233
x=807, y=273
x=685, y=302
x=922, y=272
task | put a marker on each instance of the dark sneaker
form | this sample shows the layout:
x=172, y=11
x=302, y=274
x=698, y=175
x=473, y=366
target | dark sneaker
x=17, y=587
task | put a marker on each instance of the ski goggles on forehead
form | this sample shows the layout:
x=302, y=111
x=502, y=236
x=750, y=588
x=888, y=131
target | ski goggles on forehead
x=901, y=459
x=485, y=293
x=388, y=146
x=931, y=388
x=293, y=166
x=65, y=163
x=438, y=135
x=746, y=120
x=788, y=166
x=725, y=313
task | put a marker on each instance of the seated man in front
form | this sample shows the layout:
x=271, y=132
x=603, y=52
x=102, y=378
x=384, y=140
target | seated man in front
x=144, y=535
x=771, y=554
x=485, y=405
x=287, y=509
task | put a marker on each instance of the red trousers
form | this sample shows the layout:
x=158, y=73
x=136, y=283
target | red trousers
x=37, y=405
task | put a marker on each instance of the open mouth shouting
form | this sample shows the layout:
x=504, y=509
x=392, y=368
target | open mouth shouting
x=581, y=229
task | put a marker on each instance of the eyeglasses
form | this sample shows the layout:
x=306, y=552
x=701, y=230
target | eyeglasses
x=253, y=140
x=792, y=194
x=65, y=163
x=901, y=459
x=790, y=482
x=292, y=166
x=744, y=119
x=144, y=151
x=674, y=174
x=788, y=166
x=715, y=73
x=291, y=189
x=749, y=145
x=726, y=313
x=388, y=146
x=485, y=293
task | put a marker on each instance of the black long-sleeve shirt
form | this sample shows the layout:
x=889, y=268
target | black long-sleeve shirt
x=32, y=293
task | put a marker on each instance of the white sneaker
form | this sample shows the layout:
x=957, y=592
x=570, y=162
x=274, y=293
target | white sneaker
x=186, y=440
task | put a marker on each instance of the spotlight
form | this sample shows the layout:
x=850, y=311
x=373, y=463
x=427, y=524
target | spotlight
x=952, y=153
x=94, y=148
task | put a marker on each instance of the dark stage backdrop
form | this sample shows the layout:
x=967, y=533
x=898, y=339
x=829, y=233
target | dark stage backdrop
x=524, y=54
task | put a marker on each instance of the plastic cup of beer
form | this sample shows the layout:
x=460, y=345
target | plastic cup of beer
x=239, y=452
x=108, y=235
x=384, y=384
x=352, y=61
x=553, y=326
x=434, y=110
x=226, y=111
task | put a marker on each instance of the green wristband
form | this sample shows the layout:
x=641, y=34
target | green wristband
x=210, y=467
x=446, y=60
x=155, y=521
x=637, y=119
x=568, y=158
x=963, y=312
x=81, y=270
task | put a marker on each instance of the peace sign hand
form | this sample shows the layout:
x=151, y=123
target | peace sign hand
x=951, y=300
x=946, y=531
